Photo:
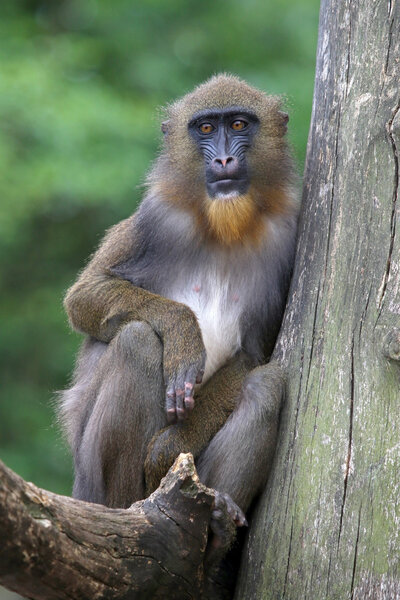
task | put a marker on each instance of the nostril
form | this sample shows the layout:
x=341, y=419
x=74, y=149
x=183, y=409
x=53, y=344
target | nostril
x=223, y=161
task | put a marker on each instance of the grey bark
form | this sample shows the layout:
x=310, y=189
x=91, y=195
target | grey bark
x=328, y=525
x=56, y=548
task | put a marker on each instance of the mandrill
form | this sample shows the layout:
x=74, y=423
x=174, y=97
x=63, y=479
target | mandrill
x=181, y=306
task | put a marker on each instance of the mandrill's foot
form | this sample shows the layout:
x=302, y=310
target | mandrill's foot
x=225, y=517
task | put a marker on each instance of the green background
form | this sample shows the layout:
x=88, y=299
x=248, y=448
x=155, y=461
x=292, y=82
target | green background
x=80, y=84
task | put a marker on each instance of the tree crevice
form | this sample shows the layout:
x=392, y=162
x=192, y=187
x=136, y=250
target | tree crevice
x=348, y=53
x=288, y=558
x=389, y=129
x=166, y=514
x=356, y=553
x=350, y=440
x=390, y=35
x=313, y=337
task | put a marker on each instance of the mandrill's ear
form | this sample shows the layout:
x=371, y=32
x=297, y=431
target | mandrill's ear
x=284, y=119
x=164, y=127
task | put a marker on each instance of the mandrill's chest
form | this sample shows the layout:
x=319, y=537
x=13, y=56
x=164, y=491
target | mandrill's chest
x=218, y=311
x=220, y=297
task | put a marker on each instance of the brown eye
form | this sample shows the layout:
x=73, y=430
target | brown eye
x=238, y=125
x=206, y=128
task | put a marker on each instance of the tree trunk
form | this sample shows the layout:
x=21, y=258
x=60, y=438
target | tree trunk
x=328, y=526
x=57, y=548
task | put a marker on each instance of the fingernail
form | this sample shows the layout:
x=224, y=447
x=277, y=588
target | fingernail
x=171, y=415
x=189, y=402
x=181, y=414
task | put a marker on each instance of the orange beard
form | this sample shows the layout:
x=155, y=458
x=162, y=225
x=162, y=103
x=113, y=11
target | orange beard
x=235, y=219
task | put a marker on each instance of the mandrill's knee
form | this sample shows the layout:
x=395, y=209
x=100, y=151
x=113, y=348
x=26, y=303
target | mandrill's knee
x=138, y=342
x=263, y=388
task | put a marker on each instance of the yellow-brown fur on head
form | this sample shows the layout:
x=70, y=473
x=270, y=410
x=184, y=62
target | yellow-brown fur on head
x=179, y=175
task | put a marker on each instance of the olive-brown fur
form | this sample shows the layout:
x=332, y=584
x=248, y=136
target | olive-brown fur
x=186, y=272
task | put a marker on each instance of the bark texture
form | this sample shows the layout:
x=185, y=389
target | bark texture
x=328, y=526
x=53, y=547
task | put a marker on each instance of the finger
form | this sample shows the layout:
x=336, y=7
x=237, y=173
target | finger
x=180, y=407
x=240, y=520
x=190, y=380
x=171, y=405
x=192, y=374
x=180, y=396
x=234, y=511
x=189, y=400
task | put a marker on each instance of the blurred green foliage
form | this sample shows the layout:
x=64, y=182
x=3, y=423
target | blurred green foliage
x=80, y=83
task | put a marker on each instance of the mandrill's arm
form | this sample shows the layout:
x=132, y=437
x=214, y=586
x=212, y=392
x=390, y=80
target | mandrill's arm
x=100, y=303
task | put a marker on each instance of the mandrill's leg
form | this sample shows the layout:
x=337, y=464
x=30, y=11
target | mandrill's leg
x=231, y=432
x=214, y=402
x=237, y=462
x=238, y=459
x=126, y=407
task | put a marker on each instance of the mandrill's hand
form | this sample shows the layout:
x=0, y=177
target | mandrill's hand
x=183, y=361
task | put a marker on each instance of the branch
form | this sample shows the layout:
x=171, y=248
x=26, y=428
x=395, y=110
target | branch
x=54, y=547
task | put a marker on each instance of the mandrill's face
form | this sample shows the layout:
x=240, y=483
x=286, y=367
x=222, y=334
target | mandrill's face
x=225, y=160
x=223, y=137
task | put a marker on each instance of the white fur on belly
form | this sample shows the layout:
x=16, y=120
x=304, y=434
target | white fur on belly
x=217, y=308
